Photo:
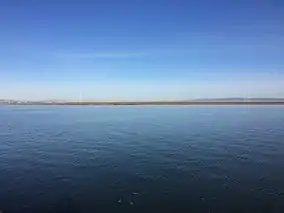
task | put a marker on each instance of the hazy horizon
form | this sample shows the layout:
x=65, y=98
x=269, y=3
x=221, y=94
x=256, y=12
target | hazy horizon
x=141, y=50
x=232, y=99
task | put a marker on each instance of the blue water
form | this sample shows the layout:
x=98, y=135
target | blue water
x=142, y=159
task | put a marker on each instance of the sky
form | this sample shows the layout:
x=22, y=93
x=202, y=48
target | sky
x=141, y=50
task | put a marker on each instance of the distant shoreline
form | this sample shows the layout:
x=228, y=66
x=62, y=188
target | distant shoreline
x=165, y=103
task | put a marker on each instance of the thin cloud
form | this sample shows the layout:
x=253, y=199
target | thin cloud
x=105, y=55
x=121, y=55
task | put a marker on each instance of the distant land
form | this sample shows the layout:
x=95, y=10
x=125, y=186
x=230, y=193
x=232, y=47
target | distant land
x=220, y=101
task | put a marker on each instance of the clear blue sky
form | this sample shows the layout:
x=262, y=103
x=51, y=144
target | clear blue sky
x=141, y=50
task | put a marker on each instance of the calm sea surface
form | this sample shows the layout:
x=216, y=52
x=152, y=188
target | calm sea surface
x=142, y=159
